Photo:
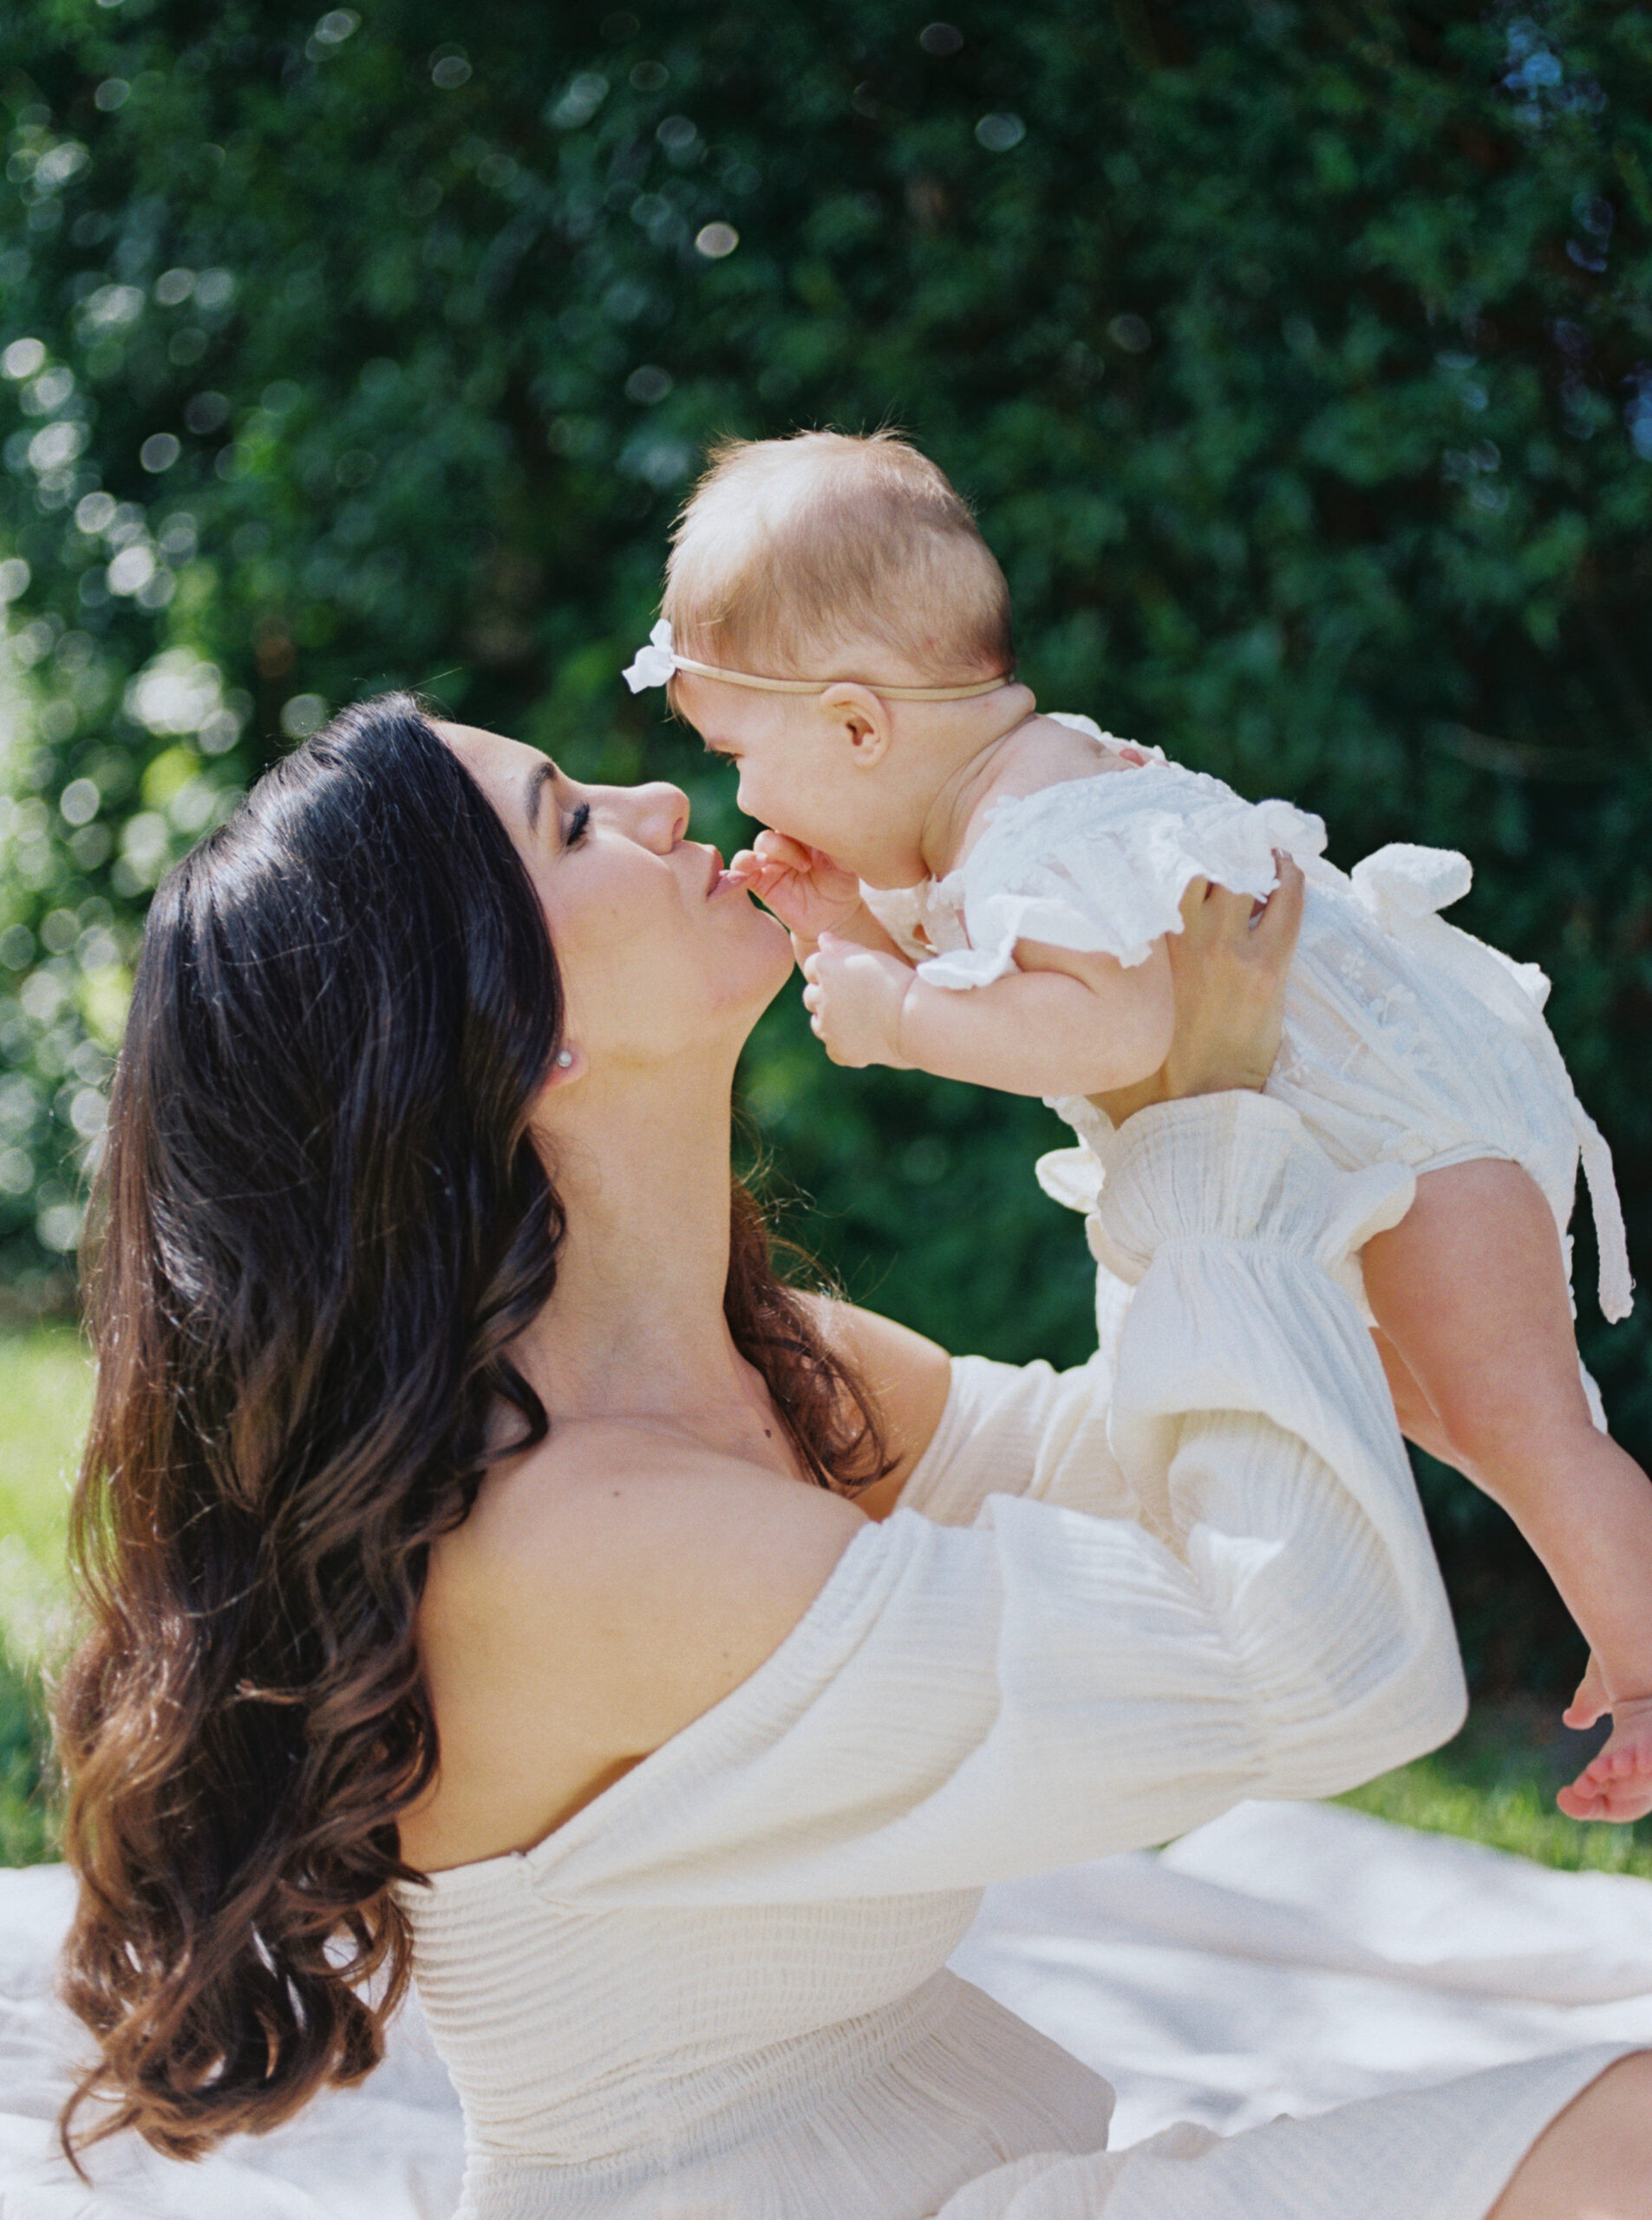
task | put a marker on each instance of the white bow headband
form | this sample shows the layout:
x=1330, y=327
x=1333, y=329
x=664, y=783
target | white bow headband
x=656, y=662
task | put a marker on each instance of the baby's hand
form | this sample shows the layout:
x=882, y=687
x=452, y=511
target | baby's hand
x=805, y=890
x=1617, y=1783
x=854, y=998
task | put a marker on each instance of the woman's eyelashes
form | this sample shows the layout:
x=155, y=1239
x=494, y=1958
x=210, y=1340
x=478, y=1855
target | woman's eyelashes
x=577, y=824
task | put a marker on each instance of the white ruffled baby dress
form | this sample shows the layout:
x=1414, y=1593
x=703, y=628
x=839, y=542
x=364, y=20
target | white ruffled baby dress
x=1406, y=1041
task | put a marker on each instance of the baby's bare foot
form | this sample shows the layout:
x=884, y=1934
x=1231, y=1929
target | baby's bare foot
x=1617, y=1783
x=1592, y=1701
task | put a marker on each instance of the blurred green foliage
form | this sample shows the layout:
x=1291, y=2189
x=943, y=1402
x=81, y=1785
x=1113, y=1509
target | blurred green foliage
x=29, y=1801
x=1299, y=360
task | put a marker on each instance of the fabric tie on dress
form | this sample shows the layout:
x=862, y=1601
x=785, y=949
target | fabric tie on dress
x=1403, y=884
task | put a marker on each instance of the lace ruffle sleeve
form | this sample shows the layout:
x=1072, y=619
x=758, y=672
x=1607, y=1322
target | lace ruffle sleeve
x=1101, y=865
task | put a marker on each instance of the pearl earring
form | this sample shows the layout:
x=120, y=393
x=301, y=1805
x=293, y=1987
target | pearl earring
x=565, y=1058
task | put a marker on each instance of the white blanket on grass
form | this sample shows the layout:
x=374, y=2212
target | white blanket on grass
x=1282, y=1959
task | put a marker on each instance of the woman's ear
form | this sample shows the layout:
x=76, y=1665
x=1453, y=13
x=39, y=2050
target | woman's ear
x=863, y=718
x=568, y=1064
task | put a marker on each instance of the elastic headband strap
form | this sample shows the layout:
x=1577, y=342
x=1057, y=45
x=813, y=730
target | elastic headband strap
x=819, y=685
x=656, y=662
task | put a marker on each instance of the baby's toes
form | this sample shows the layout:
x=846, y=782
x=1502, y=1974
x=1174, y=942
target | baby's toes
x=1591, y=1701
x=1617, y=1783
x=1628, y=1797
x=1578, y=1800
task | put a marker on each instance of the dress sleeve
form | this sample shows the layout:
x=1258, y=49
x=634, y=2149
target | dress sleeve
x=1247, y=1606
x=1101, y=865
x=1024, y=1430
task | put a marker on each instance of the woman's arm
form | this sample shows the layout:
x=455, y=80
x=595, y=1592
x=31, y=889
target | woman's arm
x=911, y=1379
x=771, y=1698
x=960, y=1704
x=1252, y=1607
x=972, y=1430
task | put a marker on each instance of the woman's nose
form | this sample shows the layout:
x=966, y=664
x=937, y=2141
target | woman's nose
x=662, y=815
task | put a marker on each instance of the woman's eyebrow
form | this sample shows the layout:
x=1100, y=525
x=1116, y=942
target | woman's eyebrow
x=541, y=776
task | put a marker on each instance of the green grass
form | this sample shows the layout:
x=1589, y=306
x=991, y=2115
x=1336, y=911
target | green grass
x=45, y=1395
x=1494, y=1784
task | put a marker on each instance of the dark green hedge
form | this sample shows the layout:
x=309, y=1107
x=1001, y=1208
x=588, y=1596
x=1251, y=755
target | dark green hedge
x=1298, y=358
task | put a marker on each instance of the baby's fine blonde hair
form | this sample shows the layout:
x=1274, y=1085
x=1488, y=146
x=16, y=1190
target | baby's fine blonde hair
x=792, y=552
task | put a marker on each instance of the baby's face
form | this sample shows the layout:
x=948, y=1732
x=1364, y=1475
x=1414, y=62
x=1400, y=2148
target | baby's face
x=796, y=773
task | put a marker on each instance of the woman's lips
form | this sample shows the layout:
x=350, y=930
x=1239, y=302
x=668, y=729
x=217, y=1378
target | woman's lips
x=722, y=881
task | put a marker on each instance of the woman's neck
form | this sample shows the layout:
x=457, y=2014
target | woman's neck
x=636, y=1328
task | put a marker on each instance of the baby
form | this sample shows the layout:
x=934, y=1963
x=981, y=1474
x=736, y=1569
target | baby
x=982, y=891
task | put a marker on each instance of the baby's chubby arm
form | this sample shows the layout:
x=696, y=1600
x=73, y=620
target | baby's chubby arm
x=1062, y=1023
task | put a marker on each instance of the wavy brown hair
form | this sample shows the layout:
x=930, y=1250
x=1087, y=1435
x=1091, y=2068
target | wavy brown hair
x=322, y=1224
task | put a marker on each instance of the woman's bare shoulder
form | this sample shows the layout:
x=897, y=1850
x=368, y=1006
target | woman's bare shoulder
x=631, y=1524
x=611, y=1586
x=909, y=1378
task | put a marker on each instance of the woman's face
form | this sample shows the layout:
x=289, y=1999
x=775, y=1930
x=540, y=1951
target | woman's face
x=658, y=951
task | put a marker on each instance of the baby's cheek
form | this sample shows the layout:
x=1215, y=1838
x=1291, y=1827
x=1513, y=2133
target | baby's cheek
x=756, y=799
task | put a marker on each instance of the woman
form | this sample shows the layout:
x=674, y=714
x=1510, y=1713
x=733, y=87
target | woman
x=460, y=1597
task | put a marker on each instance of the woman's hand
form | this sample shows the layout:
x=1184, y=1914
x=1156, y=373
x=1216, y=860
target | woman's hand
x=1228, y=965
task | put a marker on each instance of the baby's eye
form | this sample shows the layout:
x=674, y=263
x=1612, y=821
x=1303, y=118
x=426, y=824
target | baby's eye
x=577, y=824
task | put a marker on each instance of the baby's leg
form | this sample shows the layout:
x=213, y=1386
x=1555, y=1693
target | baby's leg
x=1470, y=1291
x=1418, y=1420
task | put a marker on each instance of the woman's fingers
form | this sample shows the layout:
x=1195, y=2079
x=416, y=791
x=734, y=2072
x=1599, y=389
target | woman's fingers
x=1218, y=918
x=1230, y=965
x=1198, y=893
x=1215, y=915
x=1281, y=917
x=1227, y=928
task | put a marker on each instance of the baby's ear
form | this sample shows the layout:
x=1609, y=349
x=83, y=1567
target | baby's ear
x=862, y=719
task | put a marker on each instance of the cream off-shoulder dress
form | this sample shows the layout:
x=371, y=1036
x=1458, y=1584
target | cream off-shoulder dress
x=1106, y=1609
x=1406, y=1041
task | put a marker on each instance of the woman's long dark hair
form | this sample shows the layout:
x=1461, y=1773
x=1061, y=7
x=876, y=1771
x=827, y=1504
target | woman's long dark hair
x=322, y=1222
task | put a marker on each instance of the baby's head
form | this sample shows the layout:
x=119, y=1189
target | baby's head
x=826, y=556
x=852, y=565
